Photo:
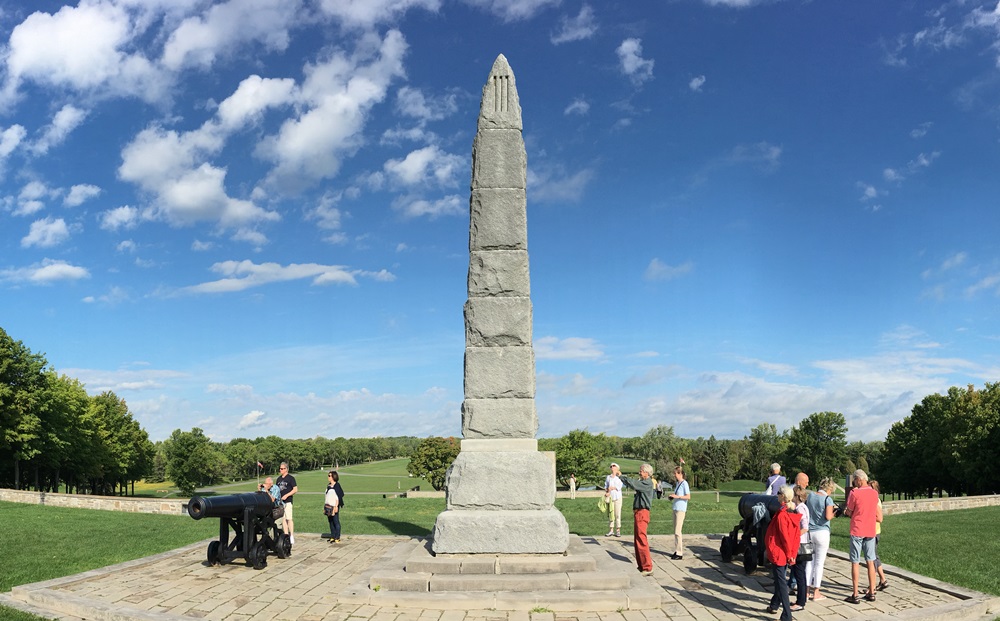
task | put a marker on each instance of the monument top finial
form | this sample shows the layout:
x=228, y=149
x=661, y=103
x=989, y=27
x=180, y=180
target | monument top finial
x=500, y=107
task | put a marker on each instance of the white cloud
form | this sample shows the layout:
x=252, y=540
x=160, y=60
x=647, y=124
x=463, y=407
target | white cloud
x=326, y=215
x=242, y=275
x=987, y=283
x=81, y=48
x=578, y=106
x=335, y=98
x=364, y=14
x=254, y=96
x=46, y=233
x=225, y=27
x=201, y=246
x=652, y=375
x=922, y=161
x=63, y=123
x=696, y=83
x=572, y=348
x=657, y=270
x=48, y=271
x=80, y=193
x=633, y=65
x=921, y=130
x=553, y=184
x=426, y=166
x=252, y=419
x=125, y=217
x=512, y=10
x=10, y=138
x=166, y=164
x=414, y=103
x=30, y=199
x=583, y=26
x=411, y=207
x=763, y=155
x=114, y=296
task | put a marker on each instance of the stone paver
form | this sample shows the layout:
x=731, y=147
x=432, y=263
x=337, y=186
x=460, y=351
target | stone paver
x=180, y=586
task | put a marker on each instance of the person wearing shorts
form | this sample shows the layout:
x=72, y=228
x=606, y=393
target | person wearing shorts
x=864, y=509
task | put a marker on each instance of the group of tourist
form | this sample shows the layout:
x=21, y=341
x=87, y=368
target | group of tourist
x=282, y=493
x=645, y=487
x=804, y=517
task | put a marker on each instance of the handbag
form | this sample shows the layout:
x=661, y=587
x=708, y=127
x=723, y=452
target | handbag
x=805, y=551
x=328, y=510
x=277, y=513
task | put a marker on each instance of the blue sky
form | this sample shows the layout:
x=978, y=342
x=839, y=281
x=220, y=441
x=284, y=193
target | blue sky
x=252, y=216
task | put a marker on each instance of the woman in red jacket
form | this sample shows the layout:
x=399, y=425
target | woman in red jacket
x=782, y=544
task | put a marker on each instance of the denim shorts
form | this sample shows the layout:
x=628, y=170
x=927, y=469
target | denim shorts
x=859, y=544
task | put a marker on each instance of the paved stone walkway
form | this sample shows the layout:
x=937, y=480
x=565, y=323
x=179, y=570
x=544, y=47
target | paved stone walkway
x=180, y=586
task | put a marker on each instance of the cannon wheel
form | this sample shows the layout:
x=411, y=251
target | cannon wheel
x=213, y=552
x=726, y=549
x=280, y=548
x=750, y=559
x=258, y=555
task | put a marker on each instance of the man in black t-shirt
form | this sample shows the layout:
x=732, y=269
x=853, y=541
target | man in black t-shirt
x=286, y=484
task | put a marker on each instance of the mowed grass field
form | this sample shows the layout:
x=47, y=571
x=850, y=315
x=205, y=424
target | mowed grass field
x=380, y=477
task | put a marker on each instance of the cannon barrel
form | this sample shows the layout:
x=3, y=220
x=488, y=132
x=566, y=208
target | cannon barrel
x=231, y=506
x=748, y=501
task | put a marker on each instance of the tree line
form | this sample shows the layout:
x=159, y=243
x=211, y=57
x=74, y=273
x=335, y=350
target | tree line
x=54, y=436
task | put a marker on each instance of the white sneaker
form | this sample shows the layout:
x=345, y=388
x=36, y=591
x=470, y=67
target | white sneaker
x=611, y=533
x=291, y=539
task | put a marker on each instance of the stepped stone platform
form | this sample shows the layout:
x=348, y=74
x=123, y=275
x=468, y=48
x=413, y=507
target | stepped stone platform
x=331, y=582
x=586, y=575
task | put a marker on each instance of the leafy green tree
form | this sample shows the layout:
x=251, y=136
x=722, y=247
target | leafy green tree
x=432, y=458
x=917, y=448
x=191, y=459
x=817, y=446
x=22, y=384
x=762, y=448
x=581, y=453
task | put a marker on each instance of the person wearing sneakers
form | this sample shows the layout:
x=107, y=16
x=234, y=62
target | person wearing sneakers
x=286, y=483
x=613, y=494
x=641, y=505
x=680, y=498
x=864, y=509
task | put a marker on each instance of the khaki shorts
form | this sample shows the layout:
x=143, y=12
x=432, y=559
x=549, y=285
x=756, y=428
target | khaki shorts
x=288, y=511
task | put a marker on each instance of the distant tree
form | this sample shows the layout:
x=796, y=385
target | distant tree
x=817, y=446
x=582, y=453
x=192, y=460
x=432, y=458
x=762, y=448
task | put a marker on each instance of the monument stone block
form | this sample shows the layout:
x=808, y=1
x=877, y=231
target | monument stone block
x=499, y=160
x=499, y=418
x=498, y=219
x=499, y=273
x=499, y=373
x=498, y=322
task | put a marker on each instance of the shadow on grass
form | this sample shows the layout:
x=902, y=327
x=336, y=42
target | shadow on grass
x=400, y=528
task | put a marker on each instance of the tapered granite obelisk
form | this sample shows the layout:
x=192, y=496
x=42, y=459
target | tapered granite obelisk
x=501, y=489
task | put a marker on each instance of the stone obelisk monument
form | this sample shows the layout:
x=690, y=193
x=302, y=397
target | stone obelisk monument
x=500, y=490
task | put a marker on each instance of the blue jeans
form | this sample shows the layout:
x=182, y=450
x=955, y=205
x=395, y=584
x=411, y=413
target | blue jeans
x=334, y=521
x=780, y=592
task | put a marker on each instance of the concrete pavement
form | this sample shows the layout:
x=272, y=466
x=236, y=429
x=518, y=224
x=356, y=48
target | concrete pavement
x=320, y=580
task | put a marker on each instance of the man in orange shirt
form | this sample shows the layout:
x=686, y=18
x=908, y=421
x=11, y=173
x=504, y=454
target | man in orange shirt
x=864, y=509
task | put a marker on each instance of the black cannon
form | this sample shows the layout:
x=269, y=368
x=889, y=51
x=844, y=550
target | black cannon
x=756, y=511
x=251, y=518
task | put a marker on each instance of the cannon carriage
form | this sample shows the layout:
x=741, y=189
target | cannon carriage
x=756, y=511
x=250, y=519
